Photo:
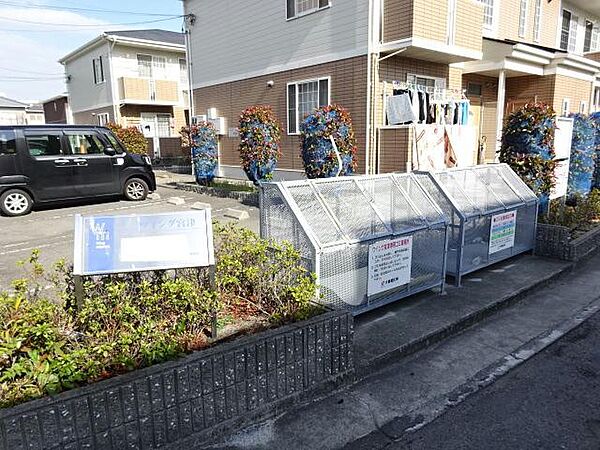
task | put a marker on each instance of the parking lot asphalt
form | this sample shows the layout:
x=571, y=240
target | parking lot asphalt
x=51, y=229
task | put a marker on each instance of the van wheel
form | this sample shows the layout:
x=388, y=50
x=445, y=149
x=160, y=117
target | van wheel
x=135, y=190
x=15, y=202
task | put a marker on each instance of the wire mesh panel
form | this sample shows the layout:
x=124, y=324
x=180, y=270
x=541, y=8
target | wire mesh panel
x=374, y=239
x=492, y=214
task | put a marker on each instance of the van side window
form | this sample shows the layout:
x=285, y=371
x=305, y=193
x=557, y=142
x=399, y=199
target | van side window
x=8, y=143
x=114, y=142
x=84, y=143
x=44, y=145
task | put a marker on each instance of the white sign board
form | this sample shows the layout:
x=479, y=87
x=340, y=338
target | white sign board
x=118, y=244
x=390, y=264
x=502, y=232
x=562, y=150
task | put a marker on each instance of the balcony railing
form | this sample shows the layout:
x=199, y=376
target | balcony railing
x=148, y=90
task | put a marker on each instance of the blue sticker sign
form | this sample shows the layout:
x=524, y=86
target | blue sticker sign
x=117, y=244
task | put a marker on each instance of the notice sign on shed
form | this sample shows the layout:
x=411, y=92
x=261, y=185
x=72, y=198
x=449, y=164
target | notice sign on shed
x=502, y=232
x=390, y=264
x=117, y=244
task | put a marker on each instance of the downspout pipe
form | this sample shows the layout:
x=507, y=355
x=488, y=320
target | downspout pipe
x=113, y=84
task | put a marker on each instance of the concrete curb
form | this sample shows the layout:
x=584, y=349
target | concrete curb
x=382, y=360
x=395, y=429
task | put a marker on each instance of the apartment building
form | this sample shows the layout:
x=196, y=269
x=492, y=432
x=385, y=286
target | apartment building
x=134, y=78
x=296, y=55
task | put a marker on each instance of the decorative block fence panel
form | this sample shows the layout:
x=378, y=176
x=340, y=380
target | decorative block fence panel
x=169, y=402
x=555, y=242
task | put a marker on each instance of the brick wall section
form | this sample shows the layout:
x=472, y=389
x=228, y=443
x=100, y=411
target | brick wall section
x=397, y=20
x=167, y=91
x=90, y=117
x=135, y=89
x=593, y=56
x=575, y=90
x=167, y=403
x=348, y=89
x=469, y=25
x=395, y=150
x=56, y=110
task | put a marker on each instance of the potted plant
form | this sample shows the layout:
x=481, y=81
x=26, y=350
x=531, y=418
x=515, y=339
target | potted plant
x=205, y=152
x=328, y=143
x=260, y=136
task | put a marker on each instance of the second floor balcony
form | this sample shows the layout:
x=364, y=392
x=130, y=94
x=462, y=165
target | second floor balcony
x=149, y=91
x=444, y=31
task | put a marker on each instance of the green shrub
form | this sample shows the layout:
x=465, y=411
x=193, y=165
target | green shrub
x=131, y=137
x=578, y=214
x=129, y=321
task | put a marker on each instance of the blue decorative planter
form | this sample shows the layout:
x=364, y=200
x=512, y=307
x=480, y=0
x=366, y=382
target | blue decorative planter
x=583, y=156
x=205, y=153
x=596, y=120
x=258, y=171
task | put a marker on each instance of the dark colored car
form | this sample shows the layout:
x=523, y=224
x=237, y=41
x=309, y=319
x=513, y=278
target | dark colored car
x=50, y=163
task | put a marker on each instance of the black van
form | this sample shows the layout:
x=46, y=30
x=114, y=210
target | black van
x=47, y=163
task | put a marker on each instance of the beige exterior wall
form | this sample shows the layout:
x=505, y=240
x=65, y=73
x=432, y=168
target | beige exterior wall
x=577, y=91
x=131, y=115
x=508, y=26
x=167, y=91
x=134, y=89
x=91, y=117
x=426, y=19
x=348, y=88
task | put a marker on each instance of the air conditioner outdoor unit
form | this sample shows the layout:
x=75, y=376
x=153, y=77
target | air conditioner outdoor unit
x=197, y=119
x=220, y=125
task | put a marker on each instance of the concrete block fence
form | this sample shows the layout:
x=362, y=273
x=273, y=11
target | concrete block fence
x=247, y=198
x=167, y=403
x=555, y=242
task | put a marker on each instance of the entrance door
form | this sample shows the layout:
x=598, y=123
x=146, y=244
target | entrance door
x=95, y=172
x=150, y=130
x=48, y=165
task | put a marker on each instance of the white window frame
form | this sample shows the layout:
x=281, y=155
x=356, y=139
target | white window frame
x=573, y=32
x=566, y=107
x=287, y=101
x=595, y=47
x=159, y=67
x=585, y=22
x=103, y=119
x=183, y=74
x=297, y=15
x=494, y=7
x=537, y=21
x=596, y=104
x=440, y=83
x=583, y=107
x=523, y=7
x=137, y=57
x=562, y=13
x=98, y=70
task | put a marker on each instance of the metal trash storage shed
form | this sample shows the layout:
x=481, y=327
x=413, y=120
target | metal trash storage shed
x=345, y=229
x=493, y=214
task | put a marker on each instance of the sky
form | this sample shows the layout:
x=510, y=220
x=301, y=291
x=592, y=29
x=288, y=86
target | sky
x=32, y=41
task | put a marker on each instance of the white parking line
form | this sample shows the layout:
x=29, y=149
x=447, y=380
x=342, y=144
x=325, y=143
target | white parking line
x=28, y=249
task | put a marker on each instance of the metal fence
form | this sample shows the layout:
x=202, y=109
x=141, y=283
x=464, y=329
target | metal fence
x=371, y=240
x=493, y=214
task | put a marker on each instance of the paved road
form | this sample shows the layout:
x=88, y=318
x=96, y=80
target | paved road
x=51, y=229
x=550, y=402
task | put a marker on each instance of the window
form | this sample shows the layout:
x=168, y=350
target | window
x=114, y=142
x=160, y=66
x=474, y=89
x=303, y=98
x=297, y=8
x=595, y=46
x=183, y=71
x=573, y=34
x=84, y=143
x=488, y=12
x=583, y=107
x=8, y=145
x=163, y=125
x=565, y=30
x=537, y=21
x=144, y=66
x=98, y=67
x=103, y=119
x=566, y=107
x=522, y=18
x=44, y=145
x=587, y=42
x=426, y=81
x=597, y=98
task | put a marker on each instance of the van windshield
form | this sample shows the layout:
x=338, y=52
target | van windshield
x=8, y=145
